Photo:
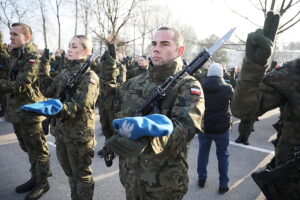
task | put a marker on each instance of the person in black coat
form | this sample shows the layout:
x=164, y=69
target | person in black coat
x=217, y=122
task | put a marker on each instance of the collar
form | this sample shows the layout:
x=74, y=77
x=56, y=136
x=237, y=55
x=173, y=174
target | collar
x=160, y=73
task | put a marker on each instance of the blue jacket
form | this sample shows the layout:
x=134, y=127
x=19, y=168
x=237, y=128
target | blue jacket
x=218, y=95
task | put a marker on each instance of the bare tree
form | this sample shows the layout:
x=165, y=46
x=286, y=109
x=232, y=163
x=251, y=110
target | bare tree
x=288, y=9
x=85, y=14
x=43, y=9
x=116, y=14
x=76, y=16
x=58, y=3
x=11, y=10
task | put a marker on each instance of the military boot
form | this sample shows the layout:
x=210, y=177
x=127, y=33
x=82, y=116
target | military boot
x=26, y=187
x=38, y=191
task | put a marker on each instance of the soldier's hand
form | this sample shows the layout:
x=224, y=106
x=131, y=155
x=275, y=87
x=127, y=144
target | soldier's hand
x=46, y=56
x=260, y=43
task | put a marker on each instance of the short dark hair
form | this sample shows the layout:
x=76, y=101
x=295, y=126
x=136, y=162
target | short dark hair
x=178, y=38
x=25, y=28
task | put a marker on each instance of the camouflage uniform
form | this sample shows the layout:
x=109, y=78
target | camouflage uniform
x=140, y=70
x=4, y=59
x=75, y=126
x=161, y=170
x=22, y=88
x=257, y=93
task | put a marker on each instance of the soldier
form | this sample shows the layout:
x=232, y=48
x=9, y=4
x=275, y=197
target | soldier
x=245, y=129
x=75, y=123
x=142, y=65
x=4, y=59
x=155, y=167
x=22, y=88
x=258, y=92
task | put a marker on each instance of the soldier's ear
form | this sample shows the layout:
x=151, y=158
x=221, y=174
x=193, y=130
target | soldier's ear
x=180, y=51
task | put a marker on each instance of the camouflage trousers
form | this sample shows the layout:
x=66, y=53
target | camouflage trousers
x=245, y=128
x=33, y=141
x=75, y=159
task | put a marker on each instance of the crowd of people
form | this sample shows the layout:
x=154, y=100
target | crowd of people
x=152, y=149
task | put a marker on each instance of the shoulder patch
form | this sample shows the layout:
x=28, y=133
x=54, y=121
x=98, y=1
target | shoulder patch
x=93, y=81
x=195, y=91
x=32, y=61
x=280, y=66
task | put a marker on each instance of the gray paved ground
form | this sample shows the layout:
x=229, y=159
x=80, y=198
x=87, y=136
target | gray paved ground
x=243, y=161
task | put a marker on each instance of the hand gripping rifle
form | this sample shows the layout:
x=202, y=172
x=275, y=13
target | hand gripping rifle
x=158, y=93
x=75, y=79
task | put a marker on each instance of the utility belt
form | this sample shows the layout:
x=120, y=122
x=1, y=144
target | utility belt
x=270, y=180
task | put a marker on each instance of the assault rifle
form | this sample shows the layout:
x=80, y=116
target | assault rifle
x=158, y=93
x=267, y=179
x=75, y=79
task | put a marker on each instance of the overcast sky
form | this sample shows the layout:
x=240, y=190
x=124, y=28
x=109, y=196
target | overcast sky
x=205, y=16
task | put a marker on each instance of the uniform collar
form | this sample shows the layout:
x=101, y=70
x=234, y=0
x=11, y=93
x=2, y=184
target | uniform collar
x=160, y=73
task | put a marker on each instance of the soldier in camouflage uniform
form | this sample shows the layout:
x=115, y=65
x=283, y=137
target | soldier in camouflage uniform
x=75, y=124
x=257, y=93
x=160, y=169
x=4, y=59
x=22, y=88
x=143, y=66
x=58, y=63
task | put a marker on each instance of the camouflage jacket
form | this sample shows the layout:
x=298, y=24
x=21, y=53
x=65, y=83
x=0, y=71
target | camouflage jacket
x=76, y=121
x=160, y=172
x=257, y=93
x=22, y=86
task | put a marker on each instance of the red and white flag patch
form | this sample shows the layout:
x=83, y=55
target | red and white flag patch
x=93, y=81
x=196, y=91
x=32, y=61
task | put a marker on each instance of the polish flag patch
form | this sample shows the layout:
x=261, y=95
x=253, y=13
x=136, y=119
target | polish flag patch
x=93, y=81
x=196, y=91
x=32, y=61
x=280, y=66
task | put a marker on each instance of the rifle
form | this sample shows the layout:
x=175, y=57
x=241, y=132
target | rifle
x=158, y=93
x=72, y=83
x=267, y=179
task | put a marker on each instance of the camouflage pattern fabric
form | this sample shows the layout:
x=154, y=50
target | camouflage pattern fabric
x=75, y=126
x=23, y=89
x=33, y=141
x=245, y=127
x=257, y=93
x=160, y=172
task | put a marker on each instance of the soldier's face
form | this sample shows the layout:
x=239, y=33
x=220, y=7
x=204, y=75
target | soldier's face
x=17, y=37
x=164, y=48
x=76, y=50
x=142, y=62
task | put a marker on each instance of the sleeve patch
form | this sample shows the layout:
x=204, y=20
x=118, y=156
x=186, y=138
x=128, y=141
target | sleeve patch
x=280, y=66
x=32, y=60
x=93, y=81
x=195, y=91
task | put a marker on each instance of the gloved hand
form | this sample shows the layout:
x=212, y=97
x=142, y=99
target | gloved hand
x=48, y=108
x=45, y=58
x=155, y=125
x=260, y=43
x=125, y=147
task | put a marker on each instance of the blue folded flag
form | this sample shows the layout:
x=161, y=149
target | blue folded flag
x=50, y=107
x=154, y=125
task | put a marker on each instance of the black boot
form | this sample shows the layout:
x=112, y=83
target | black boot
x=26, y=187
x=38, y=191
